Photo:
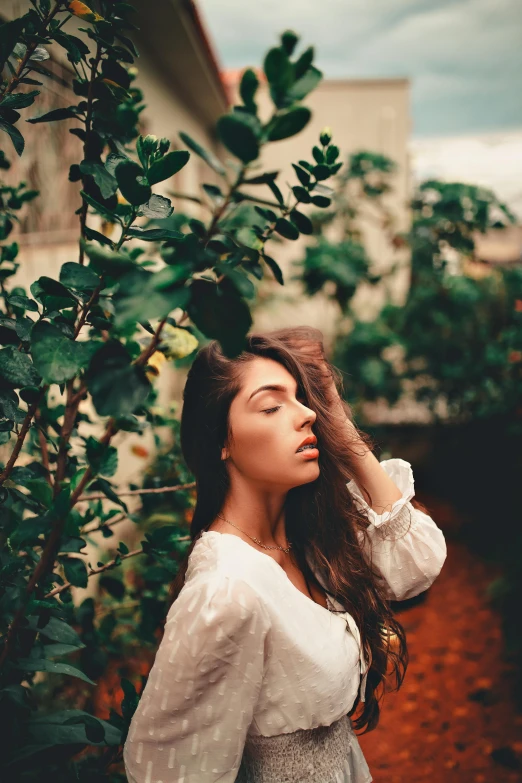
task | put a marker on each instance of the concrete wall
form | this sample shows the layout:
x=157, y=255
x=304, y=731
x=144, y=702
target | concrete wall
x=369, y=114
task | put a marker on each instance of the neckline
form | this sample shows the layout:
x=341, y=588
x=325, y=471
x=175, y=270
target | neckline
x=279, y=568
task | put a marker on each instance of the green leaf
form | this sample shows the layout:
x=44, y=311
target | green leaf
x=301, y=194
x=14, y=133
x=75, y=571
x=10, y=34
x=240, y=280
x=262, y=179
x=64, y=113
x=40, y=491
x=55, y=356
x=278, y=69
x=90, y=233
x=102, y=485
x=43, y=665
x=303, y=63
x=169, y=165
x=213, y=191
x=220, y=313
x=248, y=88
x=237, y=135
x=302, y=175
x=105, y=213
x=247, y=236
x=16, y=368
x=321, y=172
x=321, y=201
x=58, y=631
x=78, y=277
x=102, y=458
x=332, y=153
x=289, y=40
x=19, y=100
x=114, y=586
x=74, y=46
x=208, y=157
x=106, y=182
x=303, y=86
x=23, y=301
x=132, y=182
x=154, y=234
x=49, y=287
x=116, y=385
x=157, y=207
x=145, y=295
x=303, y=223
x=276, y=269
x=288, y=123
x=286, y=229
x=277, y=193
x=106, y=261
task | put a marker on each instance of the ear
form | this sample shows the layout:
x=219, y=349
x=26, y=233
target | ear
x=224, y=453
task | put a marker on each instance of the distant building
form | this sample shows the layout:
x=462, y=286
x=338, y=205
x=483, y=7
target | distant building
x=364, y=114
x=180, y=79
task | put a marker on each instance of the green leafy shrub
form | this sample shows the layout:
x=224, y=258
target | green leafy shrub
x=78, y=361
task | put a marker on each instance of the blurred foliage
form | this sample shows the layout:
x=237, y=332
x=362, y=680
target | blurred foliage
x=456, y=341
x=454, y=345
x=79, y=360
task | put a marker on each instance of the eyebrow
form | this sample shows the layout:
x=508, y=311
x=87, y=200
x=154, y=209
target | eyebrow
x=269, y=387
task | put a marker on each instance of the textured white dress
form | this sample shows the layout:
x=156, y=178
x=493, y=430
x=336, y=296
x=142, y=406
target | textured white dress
x=253, y=680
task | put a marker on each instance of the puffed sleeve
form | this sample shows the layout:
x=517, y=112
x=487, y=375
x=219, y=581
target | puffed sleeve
x=191, y=722
x=405, y=545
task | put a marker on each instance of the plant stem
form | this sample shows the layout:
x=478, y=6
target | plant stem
x=21, y=436
x=152, y=491
x=43, y=447
x=88, y=123
x=151, y=347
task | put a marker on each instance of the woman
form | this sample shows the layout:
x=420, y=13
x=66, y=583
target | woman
x=280, y=624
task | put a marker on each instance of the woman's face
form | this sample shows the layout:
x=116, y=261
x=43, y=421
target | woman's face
x=268, y=426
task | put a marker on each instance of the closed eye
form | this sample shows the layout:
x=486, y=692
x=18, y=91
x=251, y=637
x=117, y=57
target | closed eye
x=272, y=410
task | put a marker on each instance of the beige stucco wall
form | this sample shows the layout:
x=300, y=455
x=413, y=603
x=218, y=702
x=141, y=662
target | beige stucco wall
x=372, y=115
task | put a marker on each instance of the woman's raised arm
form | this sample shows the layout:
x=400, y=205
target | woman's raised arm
x=403, y=543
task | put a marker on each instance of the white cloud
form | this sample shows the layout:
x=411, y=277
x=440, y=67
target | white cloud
x=492, y=160
x=451, y=49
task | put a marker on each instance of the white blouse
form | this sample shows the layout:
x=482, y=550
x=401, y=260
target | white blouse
x=245, y=652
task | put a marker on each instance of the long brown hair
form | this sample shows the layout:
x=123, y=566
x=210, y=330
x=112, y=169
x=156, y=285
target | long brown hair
x=322, y=520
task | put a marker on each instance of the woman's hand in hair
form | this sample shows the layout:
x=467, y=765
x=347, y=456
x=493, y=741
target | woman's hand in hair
x=311, y=351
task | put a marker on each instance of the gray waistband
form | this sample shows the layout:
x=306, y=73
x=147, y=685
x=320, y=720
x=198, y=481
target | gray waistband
x=322, y=755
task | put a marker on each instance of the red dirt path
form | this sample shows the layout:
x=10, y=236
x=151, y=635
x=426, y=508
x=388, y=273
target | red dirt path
x=453, y=718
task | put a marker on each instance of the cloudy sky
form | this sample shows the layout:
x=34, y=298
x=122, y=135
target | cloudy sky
x=464, y=57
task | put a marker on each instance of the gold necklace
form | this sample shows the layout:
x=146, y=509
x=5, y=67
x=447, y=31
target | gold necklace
x=282, y=548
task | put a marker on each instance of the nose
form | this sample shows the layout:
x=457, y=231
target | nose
x=308, y=416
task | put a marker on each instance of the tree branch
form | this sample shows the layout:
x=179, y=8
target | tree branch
x=106, y=567
x=111, y=564
x=21, y=436
x=43, y=446
x=129, y=492
x=88, y=122
x=151, y=347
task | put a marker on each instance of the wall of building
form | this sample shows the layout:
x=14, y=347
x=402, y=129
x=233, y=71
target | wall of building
x=368, y=114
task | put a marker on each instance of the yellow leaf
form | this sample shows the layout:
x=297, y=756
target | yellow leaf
x=154, y=364
x=84, y=12
x=177, y=342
